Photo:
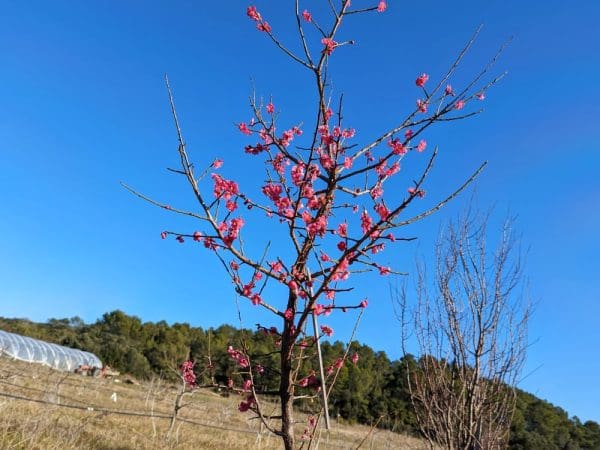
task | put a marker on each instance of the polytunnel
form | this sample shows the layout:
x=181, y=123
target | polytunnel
x=35, y=351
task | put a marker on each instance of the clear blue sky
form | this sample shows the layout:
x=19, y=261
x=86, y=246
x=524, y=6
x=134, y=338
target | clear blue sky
x=84, y=106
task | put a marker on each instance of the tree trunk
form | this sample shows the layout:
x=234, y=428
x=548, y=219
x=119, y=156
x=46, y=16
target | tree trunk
x=286, y=394
x=286, y=388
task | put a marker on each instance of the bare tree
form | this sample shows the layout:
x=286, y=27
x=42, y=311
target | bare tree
x=471, y=334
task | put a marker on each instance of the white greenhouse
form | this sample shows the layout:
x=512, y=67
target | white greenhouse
x=35, y=351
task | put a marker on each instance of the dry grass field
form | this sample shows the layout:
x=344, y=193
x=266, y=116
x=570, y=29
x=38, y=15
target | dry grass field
x=44, y=409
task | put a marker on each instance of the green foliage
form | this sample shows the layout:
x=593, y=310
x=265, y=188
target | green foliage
x=372, y=391
x=539, y=424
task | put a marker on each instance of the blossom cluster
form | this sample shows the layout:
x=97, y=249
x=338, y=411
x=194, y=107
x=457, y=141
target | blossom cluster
x=238, y=357
x=187, y=373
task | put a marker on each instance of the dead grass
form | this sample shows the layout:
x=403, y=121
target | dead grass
x=68, y=411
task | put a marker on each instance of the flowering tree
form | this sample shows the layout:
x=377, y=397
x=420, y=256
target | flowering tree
x=326, y=188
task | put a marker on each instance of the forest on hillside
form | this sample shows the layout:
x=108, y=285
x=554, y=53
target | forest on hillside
x=369, y=391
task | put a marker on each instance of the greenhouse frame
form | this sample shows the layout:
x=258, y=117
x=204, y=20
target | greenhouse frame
x=36, y=351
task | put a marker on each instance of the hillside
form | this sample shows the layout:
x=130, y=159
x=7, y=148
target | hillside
x=372, y=391
x=43, y=408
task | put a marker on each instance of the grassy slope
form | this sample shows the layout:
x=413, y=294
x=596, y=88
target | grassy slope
x=218, y=424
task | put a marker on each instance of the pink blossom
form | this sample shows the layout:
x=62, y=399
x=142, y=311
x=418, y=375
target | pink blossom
x=224, y=188
x=377, y=248
x=324, y=128
x=187, y=373
x=232, y=229
x=348, y=133
x=365, y=222
x=197, y=236
x=397, y=147
x=270, y=108
x=306, y=15
x=272, y=191
x=244, y=406
x=382, y=210
x=459, y=104
x=279, y=163
x=422, y=146
x=283, y=204
x=449, y=90
x=298, y=174
x=413, y=191
x=422, y=106
x=341, y=273
x=288, y=314
x=247, y=289
x=244, y=128
x=393, y=170
x=310, y=381
x=348, y=162
x=247, y=385
x=326, y=161
x=287, y=137
x=238, y=356
x=316, y=201
x=329, y=44
x=341, y=246
x=342, y=229
x=276, y=266
x=293, y=286
x=376, y=191
x=380, y=168
x=217, y=163
x=313, y=172
x=318, y=309
x=253, y=13
x=384, y=270
x=210, y=243
x=421, y=80
x=328, y=331
x=163, y=235
x=481, y=96
x=354, y=358
x=317, y=226
x=264, y=27
x=364, y=303
x=255, y=299
x=231, y=205
x=408, y=133
x=258, y=148
x=265, y=136
x=382, y=6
